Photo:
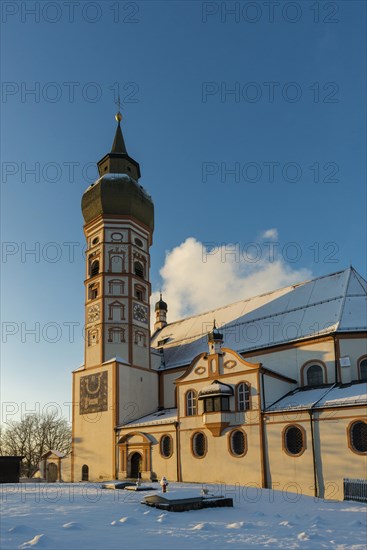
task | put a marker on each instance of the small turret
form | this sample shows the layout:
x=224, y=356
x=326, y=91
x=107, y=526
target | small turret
x=215, y=340
x=161, y=309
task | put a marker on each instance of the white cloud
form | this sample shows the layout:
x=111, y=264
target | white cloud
x=195, y=279
x=271, y=234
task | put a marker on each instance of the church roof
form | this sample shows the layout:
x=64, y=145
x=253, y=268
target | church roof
x=321, y=306
x=330, y=396
x=165, y=416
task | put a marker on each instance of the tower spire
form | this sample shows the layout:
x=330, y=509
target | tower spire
x=118, y=145
x=118, y=161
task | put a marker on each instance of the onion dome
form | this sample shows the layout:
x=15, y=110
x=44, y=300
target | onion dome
x=161, y=305
x=215, y=335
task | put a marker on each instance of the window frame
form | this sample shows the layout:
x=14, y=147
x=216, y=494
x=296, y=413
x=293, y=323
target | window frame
x=192, y=444
x=309, y=364
x=245, y=401
x=161, y=446
x=360, y=361
x=304, y=440
x=230, y=446
x=195, y=407
x=349, y=436
x=215, y=400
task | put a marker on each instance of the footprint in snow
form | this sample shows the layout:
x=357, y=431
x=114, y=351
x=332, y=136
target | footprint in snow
x=202, y=527
x=286, y=524
x=40, y=541
x=72, y=525
x=124, y=521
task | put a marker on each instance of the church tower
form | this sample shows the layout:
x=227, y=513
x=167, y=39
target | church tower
x=116, y=383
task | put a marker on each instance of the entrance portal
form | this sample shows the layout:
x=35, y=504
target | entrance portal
x=52, y=472
x=135, y=465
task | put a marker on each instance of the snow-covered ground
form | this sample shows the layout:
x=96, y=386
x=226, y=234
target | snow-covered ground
x=72, y=516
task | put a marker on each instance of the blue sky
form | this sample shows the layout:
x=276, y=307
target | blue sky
x=279, y=101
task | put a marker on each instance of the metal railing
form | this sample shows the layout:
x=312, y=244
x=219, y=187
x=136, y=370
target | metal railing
x=355, y=489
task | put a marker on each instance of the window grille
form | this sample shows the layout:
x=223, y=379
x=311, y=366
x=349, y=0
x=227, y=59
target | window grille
x=199, y=444
x=358, y=436
x=294, y=443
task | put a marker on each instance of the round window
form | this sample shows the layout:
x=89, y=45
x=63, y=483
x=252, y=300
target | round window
x=138, y=242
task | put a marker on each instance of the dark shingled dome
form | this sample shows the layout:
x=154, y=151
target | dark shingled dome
x=161, y=305
x=120, y=195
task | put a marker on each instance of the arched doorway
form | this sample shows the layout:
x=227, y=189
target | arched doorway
x=85, y=472
x=135, y=465
x=52, y=472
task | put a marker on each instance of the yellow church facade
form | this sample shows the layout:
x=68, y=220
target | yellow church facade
x=271, y=396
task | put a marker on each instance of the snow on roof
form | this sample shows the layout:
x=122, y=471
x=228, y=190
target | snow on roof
x=325, y=396
x=82, y=367
x=347, y=395
x=216, y=388
x=116, y=176
x=53, y=452
x=165, y=416
x=118, y=360
x=327, y=304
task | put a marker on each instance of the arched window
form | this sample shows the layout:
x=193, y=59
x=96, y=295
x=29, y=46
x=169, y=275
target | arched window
x=358, y=436
x=294, y=440
x=94, y=268
x=191, y=403
x=166, y=446
x=243, y=396
x=139, y=269
x=237, y=443
x=315, y=375
x=363, y=369
x=116, y=335
x=199, y=444
x=85, y=472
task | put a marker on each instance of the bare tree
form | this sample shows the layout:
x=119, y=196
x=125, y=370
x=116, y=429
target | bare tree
x=34, y=435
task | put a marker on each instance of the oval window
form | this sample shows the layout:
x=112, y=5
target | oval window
x=237, y=443
x=166, y=446
x=358, y=436
x=138, y=242
x=199, y=444
x=294, y=440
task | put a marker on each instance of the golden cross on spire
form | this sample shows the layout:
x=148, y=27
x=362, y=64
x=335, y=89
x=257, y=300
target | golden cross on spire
x=118, y=116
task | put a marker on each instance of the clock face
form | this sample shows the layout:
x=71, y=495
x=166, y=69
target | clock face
x=140, y=313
